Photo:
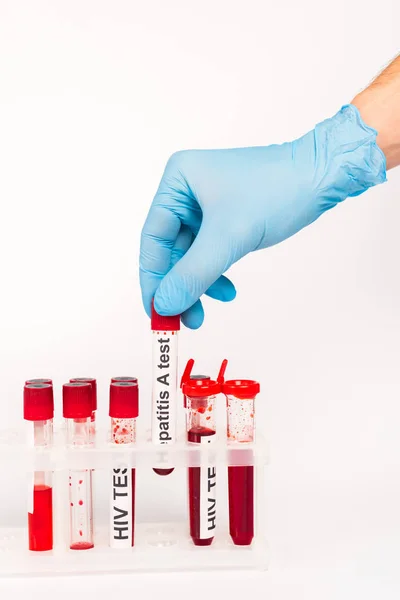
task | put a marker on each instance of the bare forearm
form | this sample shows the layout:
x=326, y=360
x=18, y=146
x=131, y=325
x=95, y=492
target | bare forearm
x=379, y=106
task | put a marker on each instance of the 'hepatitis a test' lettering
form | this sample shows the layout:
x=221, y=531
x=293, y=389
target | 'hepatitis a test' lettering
x=163, y=399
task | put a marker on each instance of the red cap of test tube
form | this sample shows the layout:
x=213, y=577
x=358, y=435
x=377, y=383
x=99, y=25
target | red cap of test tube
x=161, y=323
x=93, y=384
x=202, y=387
x=124, y=379
x=124, y=400
x=77, y=400
x=241, y=388
x=38, y=402
x=44, y=380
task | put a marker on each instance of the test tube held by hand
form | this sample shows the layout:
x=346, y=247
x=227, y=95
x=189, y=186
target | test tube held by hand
x=77, y=411
x=240, y=400
x=200, y=394
x=39, y=412
x=164, y=380
x=124, y=409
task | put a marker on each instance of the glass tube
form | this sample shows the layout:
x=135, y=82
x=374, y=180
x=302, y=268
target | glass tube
x=122, y=513
x=240, y=421
x=40, y=510
x=201, y=429
x=80, y=488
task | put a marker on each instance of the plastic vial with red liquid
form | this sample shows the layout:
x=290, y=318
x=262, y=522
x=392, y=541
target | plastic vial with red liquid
x=93, y=384
x=200, y=397
x=164, y=380
x=124, y=409
x=39, y=412
x=240, y=401
x=77, y=411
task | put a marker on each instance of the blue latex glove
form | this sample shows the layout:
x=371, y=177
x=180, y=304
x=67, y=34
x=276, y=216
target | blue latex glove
x=215, y=206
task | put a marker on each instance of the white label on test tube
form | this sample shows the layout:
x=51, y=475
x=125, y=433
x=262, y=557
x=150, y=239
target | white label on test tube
x=165, y=379
x=208, y=496
x=121, y=501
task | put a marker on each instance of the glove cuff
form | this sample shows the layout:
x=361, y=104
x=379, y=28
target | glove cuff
x=351, y=161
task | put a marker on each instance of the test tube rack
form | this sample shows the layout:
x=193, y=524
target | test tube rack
x=159, y=546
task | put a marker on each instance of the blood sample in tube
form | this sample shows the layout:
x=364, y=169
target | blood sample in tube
x=200, y=396
x=124, y=409
x=240, y=398
x=77, y=411
x=39, y=412
x=164, y=380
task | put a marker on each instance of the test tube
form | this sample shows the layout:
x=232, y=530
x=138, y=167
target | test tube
x=124, y=379
x=93, y=384
x=200, y=396
x=124, y=409
x=39, y=411
x=77, y=411
x=240, y=397
x=164, y=380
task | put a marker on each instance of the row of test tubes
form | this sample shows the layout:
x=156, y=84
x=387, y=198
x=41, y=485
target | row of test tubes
x=199, y=395
x=79, y=412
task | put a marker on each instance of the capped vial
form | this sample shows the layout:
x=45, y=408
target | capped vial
x=124, y=409
x=240, y=402
x=164, y=380
x=39, y=412
x=77, y=411
x=200, y=396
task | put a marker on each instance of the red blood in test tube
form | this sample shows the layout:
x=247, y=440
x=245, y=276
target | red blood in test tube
x=200, y=393
x=124, y=409
x=164, y=380
x=240, y=396
x=40, y=522
x=197, y=506
x=39, y=409
x=77, y=410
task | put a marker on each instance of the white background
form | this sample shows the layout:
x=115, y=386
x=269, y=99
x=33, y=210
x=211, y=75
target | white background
x=94, y=97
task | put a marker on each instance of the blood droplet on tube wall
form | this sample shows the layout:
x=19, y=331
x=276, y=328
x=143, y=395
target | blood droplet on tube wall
x=200, y=394
x=240, y=399
x=164, y=380
x=77, y=411
x=124, y=409
x=39, y=411
x=93, y=384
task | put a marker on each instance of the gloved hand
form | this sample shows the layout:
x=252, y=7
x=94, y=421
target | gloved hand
x=215, y=206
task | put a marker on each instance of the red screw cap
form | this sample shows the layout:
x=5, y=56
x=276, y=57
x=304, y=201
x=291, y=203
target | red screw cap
x=125, y=379
x=160, y=323
x=201, y=387
x=241, y=388
x=30, y=381
x=38, y=402
x=77, y=400
x=93, y=383
x=124, y=400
